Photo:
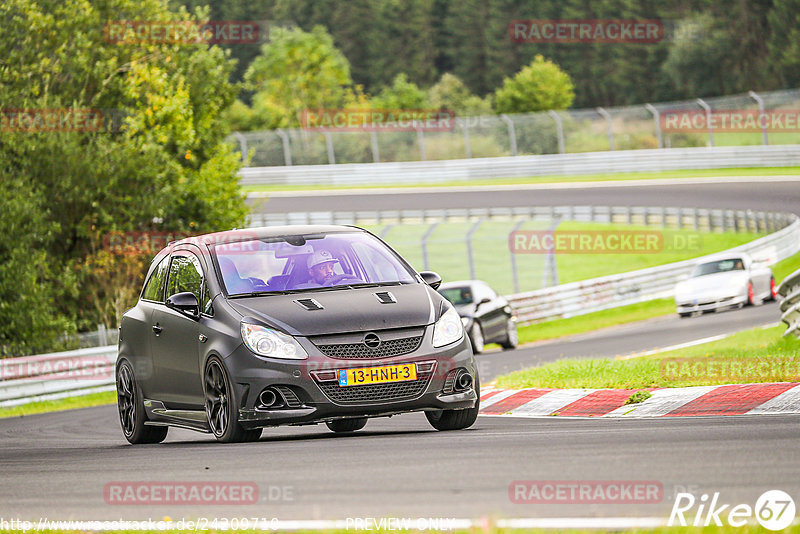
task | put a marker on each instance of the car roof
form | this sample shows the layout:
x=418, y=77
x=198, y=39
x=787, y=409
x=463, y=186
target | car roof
x=461, y=283
x=724, y=256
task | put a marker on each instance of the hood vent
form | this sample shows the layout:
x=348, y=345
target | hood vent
x=309, y=304
x=384, y=297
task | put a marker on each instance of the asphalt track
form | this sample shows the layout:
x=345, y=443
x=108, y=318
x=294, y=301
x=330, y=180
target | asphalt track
x=57, y=465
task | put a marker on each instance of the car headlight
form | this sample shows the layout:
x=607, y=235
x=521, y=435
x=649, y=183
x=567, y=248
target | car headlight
x=271, y=343
x=448, y=329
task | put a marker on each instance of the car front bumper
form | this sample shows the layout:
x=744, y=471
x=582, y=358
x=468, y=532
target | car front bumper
x=316, y=400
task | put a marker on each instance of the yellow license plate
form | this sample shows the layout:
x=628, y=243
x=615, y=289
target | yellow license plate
x=377, y=375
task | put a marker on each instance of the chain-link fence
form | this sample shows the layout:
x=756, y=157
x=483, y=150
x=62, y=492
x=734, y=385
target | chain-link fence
x=690, y=123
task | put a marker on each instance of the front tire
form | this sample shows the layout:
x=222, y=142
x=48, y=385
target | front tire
x=347, y=425
x=130, y=405
x=476, y=337
x=456, y=419
x=220, y=401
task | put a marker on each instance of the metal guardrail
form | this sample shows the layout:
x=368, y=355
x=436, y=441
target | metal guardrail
x=56, y=375
x=587, y=296
x=465, y=170
x=790, y=305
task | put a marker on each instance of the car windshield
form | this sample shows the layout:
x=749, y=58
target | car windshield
x=457, y=295
x=721, y=266
x=308, y=262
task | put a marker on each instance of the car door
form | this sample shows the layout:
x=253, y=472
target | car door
x=175, y=341
x=491, y=313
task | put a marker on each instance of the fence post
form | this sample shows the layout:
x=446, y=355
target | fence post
x=287, y=150
x=609, y=127
x=707, y=108
x=421, y=142
x=761, y=116
x=329, y=145
x=102, y=335
x=559, y=130
x=514, y=272
x=376, y=155
x=242, y=145
x=550, y=274
x=657, y=119
x=470, y=258
x=425, y=237
x=512, y=133
x=465, y=128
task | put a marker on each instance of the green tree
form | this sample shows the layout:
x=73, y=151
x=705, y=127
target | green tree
x=542, y=85
x=402, y=94
x=157, y=162
x=784, y=42
x=296, y=71
x=451, y=93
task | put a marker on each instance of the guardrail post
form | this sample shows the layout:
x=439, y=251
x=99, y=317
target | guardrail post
x=707, y=108
x=470, y=257
x=514, y=272
x=657, y=120
x=242, y=145
x=287, y=150
x=559, y=131
x=421, y=142
x=376, y=155
x=696, y=221
x=512, y=133
x=609, y=127
x=762, y=119
x=329, y=145
x=425, y=236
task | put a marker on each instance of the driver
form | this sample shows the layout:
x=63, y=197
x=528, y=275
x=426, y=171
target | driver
x=320, y=267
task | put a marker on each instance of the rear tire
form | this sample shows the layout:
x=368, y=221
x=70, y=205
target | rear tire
x=130, y=405
x=512, y=338
x=456, y=419
x=684, y=315
x=773, y=290
x=347, y=425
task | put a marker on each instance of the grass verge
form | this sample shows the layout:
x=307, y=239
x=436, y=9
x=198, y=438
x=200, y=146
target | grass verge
x=84, y=401
x=751, y=356
x=603, y=177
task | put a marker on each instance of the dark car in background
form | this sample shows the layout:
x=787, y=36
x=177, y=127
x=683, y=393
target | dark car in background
x=242, y=330
x=486, y=316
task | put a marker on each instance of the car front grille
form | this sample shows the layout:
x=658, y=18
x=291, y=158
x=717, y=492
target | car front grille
x=359, y=351
x=390, y=391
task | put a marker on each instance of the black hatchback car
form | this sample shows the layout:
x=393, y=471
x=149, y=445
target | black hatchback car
x=241, y=330
x=486, y=316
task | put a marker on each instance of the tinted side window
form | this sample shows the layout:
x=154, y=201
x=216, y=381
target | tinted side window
x=185, y=274
x=153, y=290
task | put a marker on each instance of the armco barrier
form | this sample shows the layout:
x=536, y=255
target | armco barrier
x=55, y=375
x=790, y=305
x=464, y=170
x=578, y=298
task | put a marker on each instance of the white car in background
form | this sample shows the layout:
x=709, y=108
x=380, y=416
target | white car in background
x=724, y=281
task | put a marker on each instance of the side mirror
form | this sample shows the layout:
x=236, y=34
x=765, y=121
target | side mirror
x=431, y=278
x=484, y=300
x=185, y=303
